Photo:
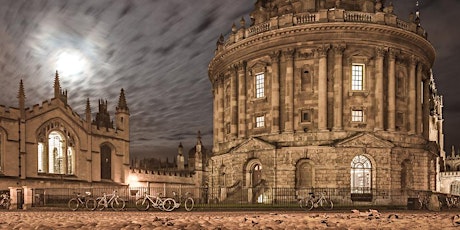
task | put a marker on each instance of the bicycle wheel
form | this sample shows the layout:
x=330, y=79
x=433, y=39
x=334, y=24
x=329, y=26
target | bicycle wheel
x=168, y=204
x=309, y=204
x=142, y=204
x=118, y=204
x=189, y=203
x=91, y=204
x=101, y=203
x=327, y=204
x=73, y=204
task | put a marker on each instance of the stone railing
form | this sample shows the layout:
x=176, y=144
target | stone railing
x=402, y=24
x=350, y=16
x=305, y=18
x=259, y=28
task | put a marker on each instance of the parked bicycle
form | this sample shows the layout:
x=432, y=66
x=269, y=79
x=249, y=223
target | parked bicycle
x=423, y=201
x=452, y=202
x=313, y=202
x=186, y=200
x=82, y=201
x=148, y=201
x=5, y=201
x=115, y=201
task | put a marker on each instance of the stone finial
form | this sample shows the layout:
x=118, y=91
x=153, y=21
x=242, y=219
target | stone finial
x=234, y=30
x=242, y=23
x=389, y=9
x=378, y=6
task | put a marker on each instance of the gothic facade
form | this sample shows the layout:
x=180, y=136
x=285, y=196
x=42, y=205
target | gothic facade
x=49, y=145
x=325, y=94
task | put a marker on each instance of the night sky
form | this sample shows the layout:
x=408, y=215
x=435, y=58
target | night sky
x=158, y=51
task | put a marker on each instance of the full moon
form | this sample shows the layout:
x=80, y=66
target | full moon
x=70, y=62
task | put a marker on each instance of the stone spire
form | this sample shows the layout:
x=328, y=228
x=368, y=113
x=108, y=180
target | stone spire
x=57, y=86
x=88, y=111
x=21, y=98
x=122, y=105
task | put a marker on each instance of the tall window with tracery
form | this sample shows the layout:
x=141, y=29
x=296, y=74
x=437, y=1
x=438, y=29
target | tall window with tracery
x=260, y=85
x=57, y=155
x=361, y=172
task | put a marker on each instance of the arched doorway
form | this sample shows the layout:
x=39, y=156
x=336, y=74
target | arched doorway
x=106, y=162
x=256, y=174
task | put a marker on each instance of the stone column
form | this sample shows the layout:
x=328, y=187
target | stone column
x=215, y=120
x=220, y=110
x=275, y=92
x=379, y=95
x=426, y=107
x=242, y=99
x=322, y=87
x=233, y=101
x=418, y=103
x=289, y=118
x=391, y=90
x=412, y=96
x=338, y=87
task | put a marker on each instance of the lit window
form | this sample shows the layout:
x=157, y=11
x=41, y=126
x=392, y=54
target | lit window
x=361, y=170
x=357, y=116
x=357, y=77
x=260, y=85
x=56, y=155
x=260, y=121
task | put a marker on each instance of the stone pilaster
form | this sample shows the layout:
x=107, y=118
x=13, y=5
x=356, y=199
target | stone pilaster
x=412, y=96
x=418, y=103
x=242, y=99
x=426, y=107
x=233, y=101
x=322, y=87
x=289, y=102
x=338, y=87
x=275, y=92
x=391, y=90
x=379, y=95
x=220, y=110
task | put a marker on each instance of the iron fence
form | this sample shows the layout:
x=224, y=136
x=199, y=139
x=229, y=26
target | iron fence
x=216, y=198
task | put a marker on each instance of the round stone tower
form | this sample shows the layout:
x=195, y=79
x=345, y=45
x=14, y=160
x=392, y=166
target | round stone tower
x=324, y=95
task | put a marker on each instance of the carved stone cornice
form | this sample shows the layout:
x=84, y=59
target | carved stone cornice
x=241, y=66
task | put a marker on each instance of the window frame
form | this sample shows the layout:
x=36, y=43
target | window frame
x=361, y=164
x=259, y=123
x=353, y=80
x=361, y=117
x=259, y=85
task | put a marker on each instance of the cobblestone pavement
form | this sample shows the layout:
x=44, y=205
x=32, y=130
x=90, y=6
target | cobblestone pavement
x=227, y=220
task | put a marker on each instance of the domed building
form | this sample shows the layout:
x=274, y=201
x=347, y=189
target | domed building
x=325, y=95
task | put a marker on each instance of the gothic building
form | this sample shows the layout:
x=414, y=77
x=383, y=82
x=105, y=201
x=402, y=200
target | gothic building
x=325, y=94
x=49, y=145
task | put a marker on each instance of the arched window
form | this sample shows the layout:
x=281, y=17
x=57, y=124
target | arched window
x=361, y=174
x=57, y=155
x=256, y=174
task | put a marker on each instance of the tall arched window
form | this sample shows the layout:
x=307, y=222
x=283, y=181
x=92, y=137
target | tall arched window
x=361, y=174
x=256, y=174
x=56, y=155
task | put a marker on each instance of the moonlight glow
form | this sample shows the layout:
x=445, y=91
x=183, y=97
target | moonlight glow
x=70, y=62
